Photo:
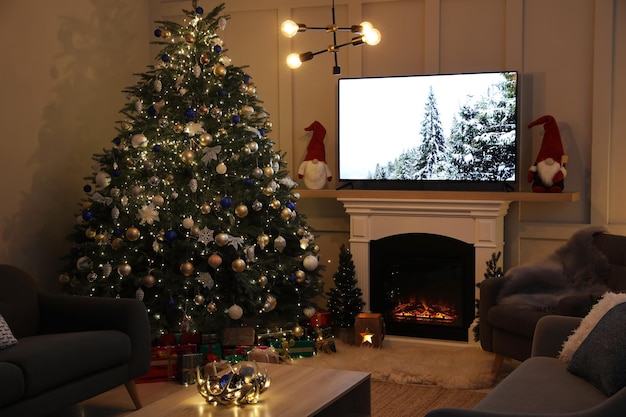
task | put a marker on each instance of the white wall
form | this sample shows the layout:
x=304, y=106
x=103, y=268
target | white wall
x=65, y=63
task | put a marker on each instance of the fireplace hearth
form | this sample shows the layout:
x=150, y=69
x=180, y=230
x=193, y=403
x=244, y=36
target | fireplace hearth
x=423, y=284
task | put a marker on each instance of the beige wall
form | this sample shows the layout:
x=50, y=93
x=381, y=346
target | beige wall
x=61, y=86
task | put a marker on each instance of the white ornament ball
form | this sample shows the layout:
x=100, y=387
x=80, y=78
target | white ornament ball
x=221, y=168
x=139, y=140
x=235, y=312
x=309, y=311
x=103, y=179
x=310, y=262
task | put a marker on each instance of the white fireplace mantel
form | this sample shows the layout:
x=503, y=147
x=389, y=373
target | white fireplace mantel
x=477, y=222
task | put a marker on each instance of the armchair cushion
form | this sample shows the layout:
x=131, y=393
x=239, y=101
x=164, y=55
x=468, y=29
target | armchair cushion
x=601, y=357
x=6, y=336
x=573, y=342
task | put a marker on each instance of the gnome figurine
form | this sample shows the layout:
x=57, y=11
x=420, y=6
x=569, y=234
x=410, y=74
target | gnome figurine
x=314, y=169
x=548, y=172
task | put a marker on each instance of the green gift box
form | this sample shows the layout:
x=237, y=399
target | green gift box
x=295, y=348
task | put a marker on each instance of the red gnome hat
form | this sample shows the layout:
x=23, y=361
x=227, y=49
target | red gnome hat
x=551, y=146
x=315, y=149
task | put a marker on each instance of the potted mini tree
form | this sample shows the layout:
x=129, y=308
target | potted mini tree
x=344, y=301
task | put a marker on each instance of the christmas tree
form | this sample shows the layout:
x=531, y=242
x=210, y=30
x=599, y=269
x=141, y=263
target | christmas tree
x=344, y=301
x=192, y=210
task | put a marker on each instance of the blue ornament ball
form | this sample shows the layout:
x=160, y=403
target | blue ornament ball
x=117, y=172
x=217, y=49
x=199, y=10
x=236, y=118
x=117, y=233
x=224, y=379
x=157, y=148
x=117, y=141
x=74, y=251
x=226, y=202
x=152, y=111
x=248, y=182
x=222, y=93
x=87, y=188
x=157, y=32
x=171, y=303
x=165, y=58
x=170, y=235
x=87, y=215
x=190, y=114
x=293, y=278
x=291, y=205
x=246, y=79
x=262, y=132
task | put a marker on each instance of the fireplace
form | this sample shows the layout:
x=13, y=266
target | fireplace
x=423, y=284
x=476, y=224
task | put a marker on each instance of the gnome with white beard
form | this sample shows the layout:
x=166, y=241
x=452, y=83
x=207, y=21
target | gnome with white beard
x=313, y=168
x=548, y=172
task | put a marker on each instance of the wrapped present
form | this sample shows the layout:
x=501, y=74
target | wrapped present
x=211, y=351
x=236, y=354
x=238, y=336
x=325, y=341
x=187, y=363
x=321, y=318
x=163, y=360
x=292, y=349
x=263, y=354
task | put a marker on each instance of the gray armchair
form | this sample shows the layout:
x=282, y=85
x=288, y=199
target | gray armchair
x=68, y=348
x=542, y=386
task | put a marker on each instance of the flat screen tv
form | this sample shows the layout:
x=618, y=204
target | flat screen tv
x=429, y=132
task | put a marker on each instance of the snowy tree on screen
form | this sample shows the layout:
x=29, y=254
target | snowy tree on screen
x=433, y=153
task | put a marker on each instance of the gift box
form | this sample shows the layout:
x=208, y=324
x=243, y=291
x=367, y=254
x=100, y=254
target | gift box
x=294, y=349
x=321, y=318
x=236, y=354
x=325, y=341
x=212, y=351
x=263, y=354
x=187, y=363
x=163, y=362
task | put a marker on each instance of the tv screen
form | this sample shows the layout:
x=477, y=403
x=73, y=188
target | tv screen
x=431, y=132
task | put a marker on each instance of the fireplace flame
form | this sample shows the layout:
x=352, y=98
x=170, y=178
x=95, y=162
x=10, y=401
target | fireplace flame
x=424, y=312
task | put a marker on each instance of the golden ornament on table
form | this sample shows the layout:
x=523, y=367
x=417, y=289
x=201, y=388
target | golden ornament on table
x=237, y=385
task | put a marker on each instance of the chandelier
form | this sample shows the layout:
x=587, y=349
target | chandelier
x=363, y=33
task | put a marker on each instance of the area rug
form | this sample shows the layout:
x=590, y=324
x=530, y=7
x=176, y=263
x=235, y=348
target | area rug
x=453, y=367
x=395, y=400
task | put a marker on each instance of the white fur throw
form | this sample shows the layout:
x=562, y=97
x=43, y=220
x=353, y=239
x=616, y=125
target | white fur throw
x=607, y=302
x=576, y=267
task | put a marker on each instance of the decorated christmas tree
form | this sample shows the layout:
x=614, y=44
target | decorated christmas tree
x=192, y=210
x=344, y=301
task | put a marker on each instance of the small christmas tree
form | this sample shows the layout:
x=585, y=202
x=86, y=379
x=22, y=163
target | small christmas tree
x=192, y=210
x=493, y=270
x=345, y=302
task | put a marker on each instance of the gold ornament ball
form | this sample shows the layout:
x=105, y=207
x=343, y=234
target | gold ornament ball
x=178, y=128
x=169, y=179
x=253, y=146
x=241, y=210
x=203, y=111
x=204, y=59
x=188, y=223
x=268, y=191
x=186, y=268
x=262, y=281
x=252, y=89
x=215, y=261
x=205, y=208
x=238, y=265
x=124, y=269
x=132, y=234
x=211, y=307
x=235, y=312
x=190, y=38
x=270, y=303
x=221, y=239
x=148, y=281
x=285, y=214
x=90, y=233
x=100, y=238
x=198, y=299
x=188, y=156
x=247, y=110
x=268, y=171
x=158, y=200
x=195, y=231
x=116, y=243
x=166, y=34
x=316, y=249
x=221, y=168
x=268, y=125
x=206, y=139
x=275, y=204
x=219, y=70
x=297, y=331
x=300, y=275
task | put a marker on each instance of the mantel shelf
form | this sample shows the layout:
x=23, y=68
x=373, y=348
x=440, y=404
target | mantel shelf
x=568, y=197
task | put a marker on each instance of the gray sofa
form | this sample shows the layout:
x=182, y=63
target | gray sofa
x=68, y=348
x=541, y=386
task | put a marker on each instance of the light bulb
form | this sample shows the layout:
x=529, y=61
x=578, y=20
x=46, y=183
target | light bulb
x=289, y=28
x=366, y=26
x=372, y=37
x=293, y=61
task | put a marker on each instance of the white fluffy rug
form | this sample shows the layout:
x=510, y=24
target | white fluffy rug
x=447, y=366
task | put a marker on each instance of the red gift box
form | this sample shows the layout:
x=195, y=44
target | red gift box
x=163, y=361
x=321, y=318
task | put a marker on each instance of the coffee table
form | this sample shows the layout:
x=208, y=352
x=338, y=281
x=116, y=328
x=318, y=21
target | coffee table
x=295, y=391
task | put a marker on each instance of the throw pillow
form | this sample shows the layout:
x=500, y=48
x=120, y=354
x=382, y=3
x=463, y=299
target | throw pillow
x=607, y=302
x=601, y=357
x=6, y=336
